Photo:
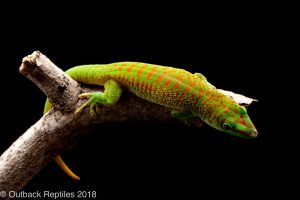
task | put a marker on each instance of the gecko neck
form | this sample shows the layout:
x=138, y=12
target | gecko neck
x=211, y=106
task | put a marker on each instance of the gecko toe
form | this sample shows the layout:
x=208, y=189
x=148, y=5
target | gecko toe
x=85, y=95
x=79, y=110
x=93, y=110
x=98, y=109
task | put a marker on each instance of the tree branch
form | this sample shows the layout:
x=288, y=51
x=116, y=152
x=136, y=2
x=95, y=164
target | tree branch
x=58, y=130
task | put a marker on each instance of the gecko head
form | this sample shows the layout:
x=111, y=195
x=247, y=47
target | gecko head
x=237, y=122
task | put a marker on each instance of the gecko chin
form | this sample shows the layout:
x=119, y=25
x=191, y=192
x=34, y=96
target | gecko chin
x=247, y=134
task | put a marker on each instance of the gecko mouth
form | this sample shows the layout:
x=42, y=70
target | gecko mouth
x=249, y=134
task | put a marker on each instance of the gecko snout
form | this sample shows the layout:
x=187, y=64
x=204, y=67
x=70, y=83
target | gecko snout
x=253, y=133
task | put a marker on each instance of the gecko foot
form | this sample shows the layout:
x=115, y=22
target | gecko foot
x=93, y=102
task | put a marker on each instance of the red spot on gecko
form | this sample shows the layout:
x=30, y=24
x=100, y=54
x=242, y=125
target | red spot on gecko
x=244, y=123
x=235, y=111
x=121, y=66
x=193, y=96
x=127, y=80
x=112, y=67
x=143, y=86
x=168, y=82
x=231, y=116
x=193, y=84
x=201, y=93
x=241, y=116
x=151, y=72
x=187, y=88
x=140, y=71
x=207, y=106
x=132, y=81
x=129, y=69
x=226, y=111
x=166, y=72
x=150, y=87
x=137, y=83
x=179, y=77
x=159, y=78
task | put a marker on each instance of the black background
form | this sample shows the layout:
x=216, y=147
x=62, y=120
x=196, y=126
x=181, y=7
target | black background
x=234, y=50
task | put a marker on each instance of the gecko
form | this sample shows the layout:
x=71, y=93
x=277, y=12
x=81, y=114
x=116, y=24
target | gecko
x=188, y=95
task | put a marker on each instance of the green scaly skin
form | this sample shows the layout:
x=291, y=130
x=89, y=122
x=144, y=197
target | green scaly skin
x=189, y=95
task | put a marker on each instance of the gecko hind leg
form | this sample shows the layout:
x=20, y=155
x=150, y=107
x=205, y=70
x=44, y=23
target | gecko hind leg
x=110, y=96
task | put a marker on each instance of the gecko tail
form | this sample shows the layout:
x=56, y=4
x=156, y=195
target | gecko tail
x=65, y=168
x=58, y=159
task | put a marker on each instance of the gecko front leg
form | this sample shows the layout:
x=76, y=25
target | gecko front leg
x=188, y=117
x=110, y=96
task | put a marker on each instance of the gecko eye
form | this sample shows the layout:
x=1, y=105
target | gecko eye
x=227, y=126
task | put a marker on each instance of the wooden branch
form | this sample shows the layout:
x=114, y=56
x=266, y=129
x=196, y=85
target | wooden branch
x=57, y=131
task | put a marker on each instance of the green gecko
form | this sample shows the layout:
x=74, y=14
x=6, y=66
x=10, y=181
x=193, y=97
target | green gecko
x=188, y=95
